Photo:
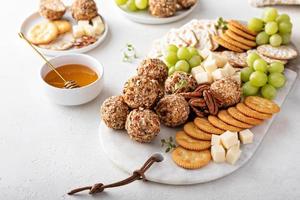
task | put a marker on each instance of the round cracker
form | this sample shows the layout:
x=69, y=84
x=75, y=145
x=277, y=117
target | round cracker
x=191, y=159
x=226, y=117
x=251, y=113
x=205, y=125
x=43, y=33
x=262, y=105
x=240, y=39
x=190, y=143
x=222, y=125
x=281, y=53
x=225, y=44
x=234, y=42
x=191, y=129
x=241, y=33
x=242, y=27
x=236, y=59
x=243, y=118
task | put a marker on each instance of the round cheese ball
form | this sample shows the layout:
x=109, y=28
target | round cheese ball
x=142, y=125
x=153, y=68
x=114, y=112
x=84, y=9
x=180, y=82
x=162, y=8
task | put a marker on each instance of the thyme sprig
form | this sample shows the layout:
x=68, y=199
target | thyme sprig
x=168, y=143
x=129, y=53
x=221, y=24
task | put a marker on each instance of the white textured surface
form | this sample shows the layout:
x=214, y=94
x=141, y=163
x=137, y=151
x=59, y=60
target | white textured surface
x=127, y=154
x=45, y=149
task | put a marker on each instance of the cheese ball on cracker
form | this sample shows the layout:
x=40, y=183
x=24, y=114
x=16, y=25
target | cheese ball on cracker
x=180, y=82
x=173, y=110
x=153, y=68
x=142, y=125
x=141, y=91
x=84, y=9
x=114, y=112
x=226, y=91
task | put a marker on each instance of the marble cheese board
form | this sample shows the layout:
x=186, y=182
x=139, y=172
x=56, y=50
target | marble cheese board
x=129, y=155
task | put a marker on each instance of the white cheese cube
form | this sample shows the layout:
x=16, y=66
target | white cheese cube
x=98, y=25
x=219, y=59
x=237, y=145
x=218, y=153
x=229, y=69
x=78, y=31
x=83, y=23
x=237, y=77
x=210, y=65
x=205, y=53
x=97, y=21
x=203, y=77
x=229, y=139
x=232, y=155
x=197, y=70
x=216, y=140
x=246, y=136
x=219, y=74
x=89, y=30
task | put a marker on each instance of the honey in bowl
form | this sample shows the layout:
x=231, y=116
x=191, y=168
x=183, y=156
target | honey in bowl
x=81, y=74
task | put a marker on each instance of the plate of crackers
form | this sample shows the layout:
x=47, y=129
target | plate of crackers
x=204, y=99
x=57, y=29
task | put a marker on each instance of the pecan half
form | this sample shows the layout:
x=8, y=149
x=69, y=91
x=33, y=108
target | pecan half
x=190, y=95
x=202, y=87
x=198, y=102
x=198, y=112
x=210, y=102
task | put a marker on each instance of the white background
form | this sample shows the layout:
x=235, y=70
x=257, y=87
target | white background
x=46, y=150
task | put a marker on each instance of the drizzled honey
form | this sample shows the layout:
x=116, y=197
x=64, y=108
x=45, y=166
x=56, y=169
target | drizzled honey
x=83, y=75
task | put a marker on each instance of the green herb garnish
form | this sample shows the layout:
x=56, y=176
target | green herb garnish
x=221, y=24
x=180, y=84
x=169, y=144
x=129, y=53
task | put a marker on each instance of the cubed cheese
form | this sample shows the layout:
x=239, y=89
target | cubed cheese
x=196, y=70
x=237, y=145
x=219, y=74
x=216, y=140
x=218, y=153
x=99, y=29
x=203, y=77
x=229, y=139
x=205, y=53
x=210, y=65
x=229, y=69
x=78, y=31
x=89, y=30
x=83, y=23
x=246, y=136
x=97, y=20
x=232, y=155
x=219, y=59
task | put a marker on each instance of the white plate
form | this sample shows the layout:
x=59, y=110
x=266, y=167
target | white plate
x=144, y=17
x=130, y=155
x=35, y=18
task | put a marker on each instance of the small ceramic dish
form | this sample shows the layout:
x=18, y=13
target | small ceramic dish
x=144, y=17
x=77, y=96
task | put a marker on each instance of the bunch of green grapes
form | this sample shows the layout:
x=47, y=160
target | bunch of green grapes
x=272, y=28
x=133, y=5
x=182, y=59
x=261, y=77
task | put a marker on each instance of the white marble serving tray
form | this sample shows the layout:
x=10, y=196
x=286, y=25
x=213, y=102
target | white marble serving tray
x=130, y=155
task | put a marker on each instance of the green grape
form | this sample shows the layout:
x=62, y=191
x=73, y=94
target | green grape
x=195, y=61
x=270, y=14
x=275, y=40
x=130, y=5
x=171, y=58
x=262, y=38
x=271, y=28
x=283, y=18
x=249, y=90
x=251, y=58
x=286, y=38
x=260, y=65
x=255, y=24
x=172, y=47
x=183, y=53
x=141, y=4
x=276, y=67
x=258, y=79
x=183, y=66
x=245, y=73
x=268, y=91
x=285, y=27
x=171, y=70
x=168, y=64
x=276, y=79
x=120, y=2
x=193, y=51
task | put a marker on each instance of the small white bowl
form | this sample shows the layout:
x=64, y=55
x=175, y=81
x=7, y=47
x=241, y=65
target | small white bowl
x=77, y=96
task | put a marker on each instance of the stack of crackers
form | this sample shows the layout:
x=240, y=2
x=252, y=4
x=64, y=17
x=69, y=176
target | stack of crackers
x=237, y=37
x=194, y=142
